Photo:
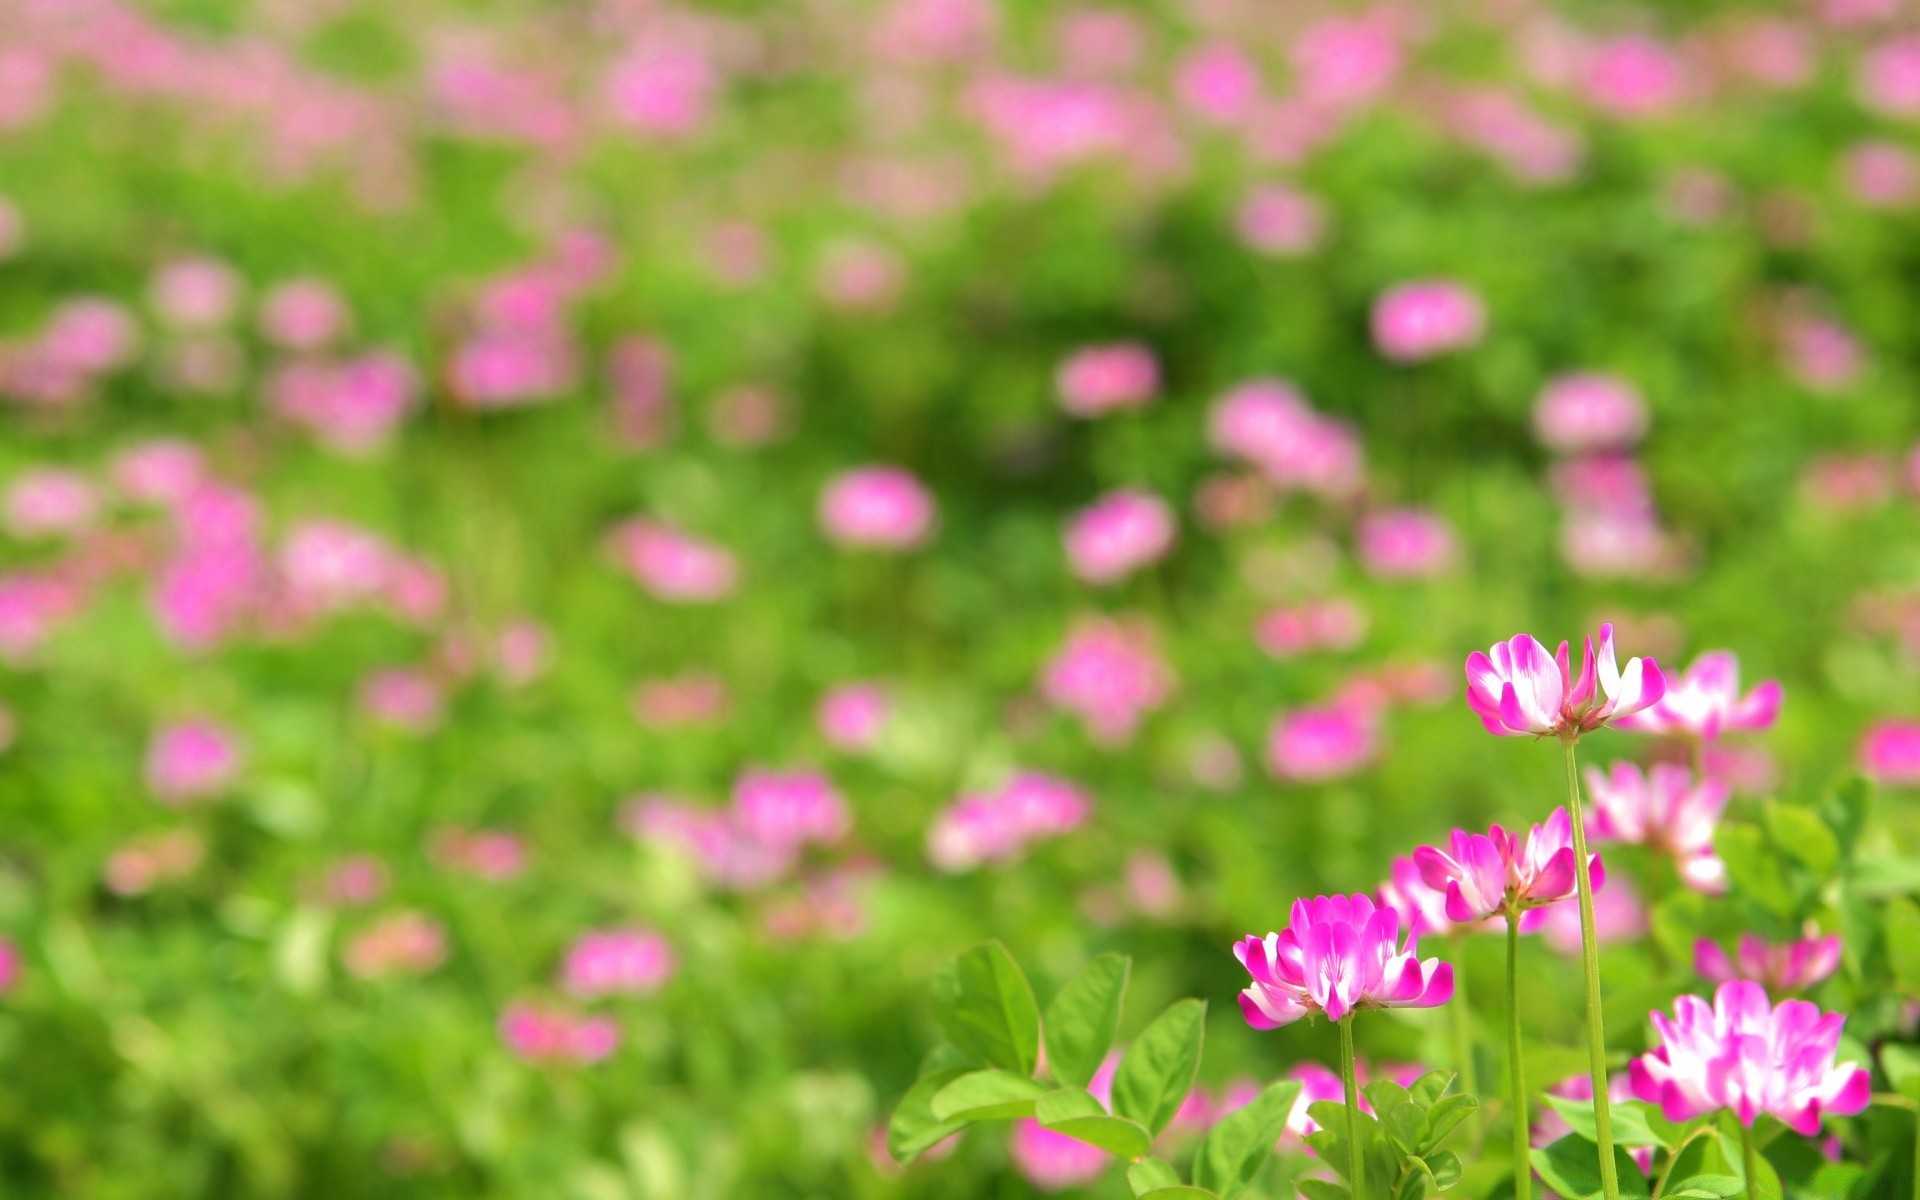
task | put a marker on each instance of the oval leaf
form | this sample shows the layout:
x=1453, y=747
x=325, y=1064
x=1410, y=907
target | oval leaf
x=913, y=1127
x=983, y=1002
x=1151, y=1174
x=990, y=1095
x=1081, y=1021
x=1079, y=1116
x=1157, y=1072
x=1241, y=1142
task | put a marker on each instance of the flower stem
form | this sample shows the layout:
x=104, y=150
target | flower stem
x=1751, y=1161
x=1356, y=1162
x=1590, y=959
x=1522, y=1159
x=1463, y=1031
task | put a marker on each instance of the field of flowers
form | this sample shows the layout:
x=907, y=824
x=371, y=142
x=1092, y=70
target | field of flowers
x=656, y=599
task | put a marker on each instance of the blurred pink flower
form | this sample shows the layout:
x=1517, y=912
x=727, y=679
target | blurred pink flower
x=1890, y=751
x=880, y=507
x=692, y=698
x=1519, y=689
x=550, y=1034
x=1217, y=82
x=522, y=651
x=50, y=502
x=790, y=808
x=1748, y=1056
x=353, y=406
x=1532, y=148
x=998, y=826
x=626, y=962
x=1421, y=320
x=1279, y=220
x=1491, y=873
x=405, y=943
x=1405, y=543
x=355, y=879
x=192, y=760
x=1791, y=966
x=1889, y=80
x=1316, y=625
x=196, y=293
x=1422, y=907
x=1665, y=809
x=1618, y=916
x=672, y=565
x=1821, y=353
x=491, y=854
x=1109, y=675
x=663, y=88
x=9, y=966
x=1588, y=411
x=1307, y=745
x=1096, y=380
x=1269, y=424
x=1634, y=77
x=1881, y=174
x=1705, y=702
x=138, y=866
x=403, y=698
x=724, y=851
x=1054, y=1162
x=303, y=315
x=91, y=336
x=1343, y=62
x=1118, y=534
x=1337, y=954
x=852, y=716
x=162, y=471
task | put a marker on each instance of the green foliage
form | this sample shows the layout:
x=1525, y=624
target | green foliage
x=1158, y=1069
x=984, y=1004
x=1083, y=1018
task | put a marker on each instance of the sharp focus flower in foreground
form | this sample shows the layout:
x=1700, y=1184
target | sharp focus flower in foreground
x=1791, y=966
x=1666, y=809
x=1749, y=1056
x=1483, y=874
x=1705, y=702
x=1337, y=954
x=1518, y=688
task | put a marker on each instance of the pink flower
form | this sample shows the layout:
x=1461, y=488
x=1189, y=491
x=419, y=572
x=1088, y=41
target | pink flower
x=672, y=565
x=163, y=471
x=1666, y=810
x=1791, y=966
x=522, y=651
x=695, y=698
x=726, y=852
x=1705, y=702
x=1312, y=744
x=355, y=879
x=1280, y=221
x=628, y=962
x=1118, y=534
x=789, y=808
x=50, y=502
x=1418, y=321
x=140, y=865
x=1518, y=688
x=1749, y=1056
x=191, y=761
x=1344, y=62
x=1881, y=174
x=1318, y=1083
x=663, y=88
x=406, y=943
x=543, y=1034
x=881, y=507
x=1588, y=411
x=998, y=826
x=1109, y=675
x=852, y=717
x=1484, y=874
x=405, y=699
x=1337, y=954
x=1820, y=352
x=9, y=966
x=352, y=407
x=1096, y=380
x=1890, y=751
x=491, y=854
x=302, y=314
x=1217, y=83
x=1407, y=893
x=1270, y=425
x=1328, y=625
x=196, y=293
x=1405, y=543
x=1618, y=916
x=1634, y=77
x=1890, y=77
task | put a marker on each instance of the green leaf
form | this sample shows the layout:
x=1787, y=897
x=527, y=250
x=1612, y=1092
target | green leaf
x=1158, y=1070
x=1703, y=1187
x=1571, y=1167
x=1427, y=1090
x=913, y=1126
x=1903, y=943
x=1630, y=1127
x=1754, y=870
x=1321, y=1189
x=1802, y=835
x=1848, y=810
x=1902, y=1065
x=983, y=1002
x=1181, y=1192
x=1445, y=1166
x=990, y=1095
x=1081, y=1021
x=1241, y=1142
x=1444, y=1117
x=1079, y=1116
x=1149, y=1174
x=1330, y=1142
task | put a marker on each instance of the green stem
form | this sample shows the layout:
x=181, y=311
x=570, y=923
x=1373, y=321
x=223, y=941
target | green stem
x=1522, y=1157
x=1463, y=1031
x=1590, y=959
x=1751, y=1161
x=1356, y=1162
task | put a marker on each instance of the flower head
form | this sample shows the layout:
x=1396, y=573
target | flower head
x=1337, y=954
x=1483, y=874
x=1791, y=966
x=1749, y=1056
x=1705, y=701
x=1666, y=809
x=1518, y=688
